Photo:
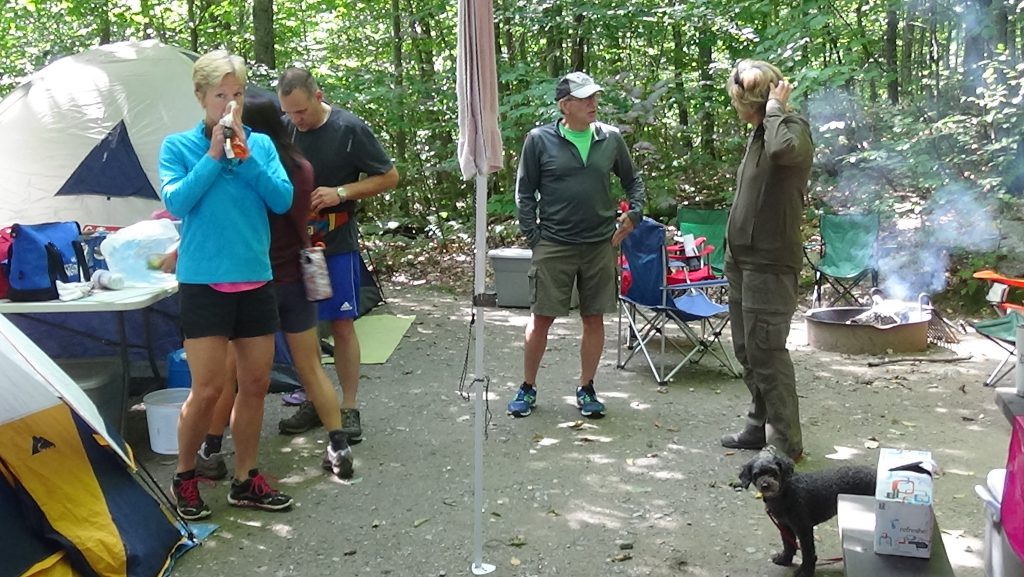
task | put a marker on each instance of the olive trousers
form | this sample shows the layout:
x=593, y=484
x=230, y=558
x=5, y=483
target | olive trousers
x=761, y=307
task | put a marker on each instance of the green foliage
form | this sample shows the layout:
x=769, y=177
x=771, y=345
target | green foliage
x=663, y=68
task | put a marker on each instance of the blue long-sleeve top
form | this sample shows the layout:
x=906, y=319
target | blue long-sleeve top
x=222, y=204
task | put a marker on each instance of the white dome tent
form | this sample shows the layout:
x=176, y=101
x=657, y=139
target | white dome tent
x=80, y=138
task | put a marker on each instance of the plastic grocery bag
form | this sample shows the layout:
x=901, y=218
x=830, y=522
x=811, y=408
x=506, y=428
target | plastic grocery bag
x=136, y=252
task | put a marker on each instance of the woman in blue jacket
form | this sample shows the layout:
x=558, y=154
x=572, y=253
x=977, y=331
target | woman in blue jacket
x=224, y=276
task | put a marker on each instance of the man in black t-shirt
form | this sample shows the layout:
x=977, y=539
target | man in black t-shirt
x=341, y=148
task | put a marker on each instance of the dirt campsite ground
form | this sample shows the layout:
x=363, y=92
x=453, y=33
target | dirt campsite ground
x=645, y=491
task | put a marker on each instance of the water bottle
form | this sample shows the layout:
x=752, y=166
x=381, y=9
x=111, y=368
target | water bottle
x=233, y=146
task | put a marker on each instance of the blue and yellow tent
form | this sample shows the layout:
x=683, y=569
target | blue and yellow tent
x=70, y=503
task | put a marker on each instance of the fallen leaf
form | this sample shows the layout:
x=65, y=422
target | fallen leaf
x=349, y=553
x=495, y=514
x=621, y=557
x=553, y=513
x=537, y=437
x=652, y=455
x=968, y=419
x=657, y=425
x=514, y=562
x=672, y=429
x=871, y=444
x=376, y=524
x=576, y=425
x=963, y=388
x=419, y=522
x=517, y=541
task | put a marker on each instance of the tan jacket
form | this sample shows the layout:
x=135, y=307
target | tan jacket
x=763, y=233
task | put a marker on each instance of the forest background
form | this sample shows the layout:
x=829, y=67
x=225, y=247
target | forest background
x=915, y=105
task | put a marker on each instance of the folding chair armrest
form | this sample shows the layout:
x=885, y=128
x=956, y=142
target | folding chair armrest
x=1007, y=307
x=993, y=276
x=815, y=248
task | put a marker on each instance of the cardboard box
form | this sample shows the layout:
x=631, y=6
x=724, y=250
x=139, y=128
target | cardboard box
x=903, y=503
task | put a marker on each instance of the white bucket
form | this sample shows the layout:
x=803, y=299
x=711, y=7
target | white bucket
x=162, y=410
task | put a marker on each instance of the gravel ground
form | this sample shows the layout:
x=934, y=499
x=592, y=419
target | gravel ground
x=645, y=491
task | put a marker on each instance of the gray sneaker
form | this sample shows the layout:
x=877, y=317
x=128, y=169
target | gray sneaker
x=302, y=420
x=338, y=462
x=350, y=425
x=212, y=467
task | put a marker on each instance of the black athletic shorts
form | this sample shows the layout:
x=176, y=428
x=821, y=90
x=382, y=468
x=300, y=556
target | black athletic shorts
x=208, y=312
x=298, y=315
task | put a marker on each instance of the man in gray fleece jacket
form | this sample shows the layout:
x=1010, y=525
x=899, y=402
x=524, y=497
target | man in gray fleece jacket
x=567, y=213
x=763, y=254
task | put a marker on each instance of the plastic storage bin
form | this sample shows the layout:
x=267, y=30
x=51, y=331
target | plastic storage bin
x=178, y=375
x=511, y=266
x=101, y=380
x=1000, y=559
x=511, y=277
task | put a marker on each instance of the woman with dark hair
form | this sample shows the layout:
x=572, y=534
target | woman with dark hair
x=288, y=236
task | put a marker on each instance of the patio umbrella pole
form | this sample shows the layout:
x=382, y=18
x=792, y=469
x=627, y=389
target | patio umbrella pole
x=479, y=381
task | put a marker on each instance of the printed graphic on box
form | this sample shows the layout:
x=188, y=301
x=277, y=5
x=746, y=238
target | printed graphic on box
x=903, y=516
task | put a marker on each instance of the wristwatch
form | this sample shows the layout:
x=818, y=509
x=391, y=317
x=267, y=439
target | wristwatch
x=342, y=193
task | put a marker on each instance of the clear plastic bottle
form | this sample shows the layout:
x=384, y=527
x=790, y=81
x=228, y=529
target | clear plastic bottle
x=233, y=145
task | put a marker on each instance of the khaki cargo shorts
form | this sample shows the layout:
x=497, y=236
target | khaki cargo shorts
x=554, y=269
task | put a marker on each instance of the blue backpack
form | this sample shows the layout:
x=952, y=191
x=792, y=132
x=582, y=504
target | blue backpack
x=42, y=254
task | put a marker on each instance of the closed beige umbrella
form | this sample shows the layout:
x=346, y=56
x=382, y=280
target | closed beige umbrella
x=480, y=154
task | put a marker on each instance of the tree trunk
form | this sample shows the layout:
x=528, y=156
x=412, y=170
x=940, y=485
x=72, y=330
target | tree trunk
x=975, y=48
x=263, y=33
x=553, y=38
x=869, y=57
x=705, y=43
x=936, y=54
x=193, y=29
x=103, y=25
x=401, y=136
x=891, y=26
x=579, y=45
x=679, y=71
x=1001, y=28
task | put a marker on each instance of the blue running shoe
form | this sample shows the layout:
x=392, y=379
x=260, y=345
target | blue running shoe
x=525, y=401
x=586, y=400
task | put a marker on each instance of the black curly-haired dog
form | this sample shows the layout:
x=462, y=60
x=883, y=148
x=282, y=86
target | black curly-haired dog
x=797, y=502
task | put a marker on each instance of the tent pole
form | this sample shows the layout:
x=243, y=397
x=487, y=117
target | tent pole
x=479, y=380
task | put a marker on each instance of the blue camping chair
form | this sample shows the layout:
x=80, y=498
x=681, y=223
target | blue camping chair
x=651, y=302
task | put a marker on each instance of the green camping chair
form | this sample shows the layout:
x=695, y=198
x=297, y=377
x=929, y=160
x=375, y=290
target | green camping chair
x=847, y=256
x=711, y=225
x=1003, y=332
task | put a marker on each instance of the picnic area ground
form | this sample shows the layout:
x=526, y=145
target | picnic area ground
x=647, y=490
